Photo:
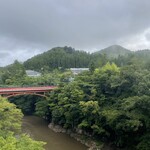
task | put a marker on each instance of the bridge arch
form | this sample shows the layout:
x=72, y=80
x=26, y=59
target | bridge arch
x=16, y=91
x=13, y=95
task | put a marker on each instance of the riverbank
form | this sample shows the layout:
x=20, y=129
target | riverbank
x=38, y=129
x=87, y=141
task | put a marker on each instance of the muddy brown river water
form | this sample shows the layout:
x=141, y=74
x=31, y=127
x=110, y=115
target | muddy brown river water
x=38, y=130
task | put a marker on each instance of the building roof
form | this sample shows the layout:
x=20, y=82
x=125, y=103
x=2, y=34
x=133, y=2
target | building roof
x=78, y=70
x=33, y=73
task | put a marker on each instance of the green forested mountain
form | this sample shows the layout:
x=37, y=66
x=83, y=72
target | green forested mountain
x=114, y=51
x=143, y=54
x=64, y=57
x=138, y=58
x=67, y=57
x=143, y=57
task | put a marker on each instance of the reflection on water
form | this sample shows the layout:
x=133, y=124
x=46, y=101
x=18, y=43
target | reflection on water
x=37, y=128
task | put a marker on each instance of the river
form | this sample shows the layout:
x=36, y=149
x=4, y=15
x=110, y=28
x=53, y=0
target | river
x=38, y=130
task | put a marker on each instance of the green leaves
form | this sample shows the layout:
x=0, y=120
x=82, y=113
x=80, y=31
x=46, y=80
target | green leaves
x=64, y=105
x=11, y=117
x=10, y=129
x=24, y=142
x=90, y=107
x=144, y=143
x=41, y=108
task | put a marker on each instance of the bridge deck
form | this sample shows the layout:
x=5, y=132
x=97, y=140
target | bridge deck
x=26, y=89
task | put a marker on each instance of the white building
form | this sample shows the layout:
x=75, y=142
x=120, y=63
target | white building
x=32, y=73
x=76, y=71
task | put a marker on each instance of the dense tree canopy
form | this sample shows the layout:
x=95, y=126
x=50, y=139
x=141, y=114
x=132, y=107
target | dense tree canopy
x=110, y=102
x=10, y=129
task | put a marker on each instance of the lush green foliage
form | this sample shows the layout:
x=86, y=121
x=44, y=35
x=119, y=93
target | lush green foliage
x=10, y=129
x=110, y=104
x=12, y=74
x=10, y=117
x=24, y=142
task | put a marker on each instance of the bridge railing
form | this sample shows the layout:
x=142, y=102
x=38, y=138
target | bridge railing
x=17, y=86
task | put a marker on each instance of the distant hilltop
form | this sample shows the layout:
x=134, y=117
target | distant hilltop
x=114, y=51
x=68, y=57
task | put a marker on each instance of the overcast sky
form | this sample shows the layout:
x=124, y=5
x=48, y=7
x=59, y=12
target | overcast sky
x=29, y=27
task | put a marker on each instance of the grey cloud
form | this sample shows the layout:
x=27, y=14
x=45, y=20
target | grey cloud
x=5, y=58
x=147, y=36
x=3, y=55
x=83, y=24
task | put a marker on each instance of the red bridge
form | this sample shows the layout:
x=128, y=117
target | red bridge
x=15, y=91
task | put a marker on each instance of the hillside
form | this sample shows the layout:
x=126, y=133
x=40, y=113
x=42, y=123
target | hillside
x=67, y=57
x=143, y=53
x=114, y=51
x=64, y=57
